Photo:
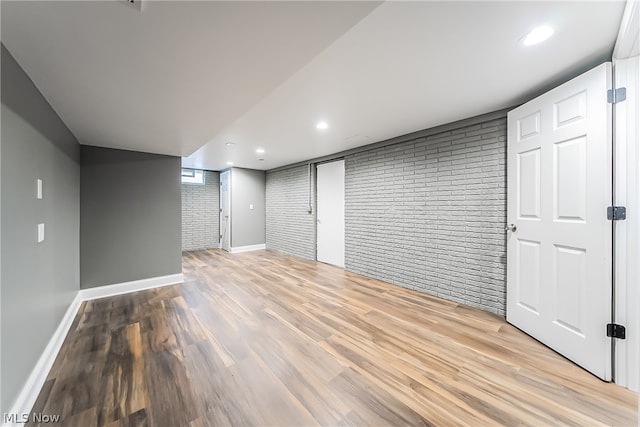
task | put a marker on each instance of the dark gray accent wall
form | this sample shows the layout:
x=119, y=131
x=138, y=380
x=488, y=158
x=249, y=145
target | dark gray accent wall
x=39, y=280
x=201, y=213
x=429, y=214
x=130, y=216
x=247, y=225
x=290, y=226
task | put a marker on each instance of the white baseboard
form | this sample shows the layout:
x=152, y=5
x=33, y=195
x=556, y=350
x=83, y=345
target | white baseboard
x=31, y=389
x=128, y=287
x=239, y=249
x=29, y=393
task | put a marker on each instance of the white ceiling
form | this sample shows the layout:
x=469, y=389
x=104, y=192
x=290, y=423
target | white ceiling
x=180, y=75
x=167, y=79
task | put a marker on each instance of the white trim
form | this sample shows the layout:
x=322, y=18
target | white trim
x=31, y=389
x=626, y=65
x=628, y=41
x=239, y=249
x=627, y=232
x=128, y=287
x=223, y=230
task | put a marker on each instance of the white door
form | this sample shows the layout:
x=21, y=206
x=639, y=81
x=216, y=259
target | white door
x=225, y=210
x=330, y=214
x=559, y=249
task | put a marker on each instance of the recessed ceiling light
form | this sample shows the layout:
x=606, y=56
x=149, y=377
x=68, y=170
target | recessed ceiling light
x=230, y=163
x=537, y=35
x=230, y=144
x=322, y=125
x=260, y=150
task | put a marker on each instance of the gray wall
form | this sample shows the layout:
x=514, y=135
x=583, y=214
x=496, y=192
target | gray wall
x=39, y=280
x=290, y=227
x=426, y=214
x=247, y=226
x=130, y=216
x=201, y=213
x=429, y=214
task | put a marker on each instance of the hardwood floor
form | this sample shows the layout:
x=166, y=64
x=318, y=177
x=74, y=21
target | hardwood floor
x=260, y=338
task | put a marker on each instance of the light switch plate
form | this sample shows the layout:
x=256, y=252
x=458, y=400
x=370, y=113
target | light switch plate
x=251, y=207
x=39, y=189
x=40, y=233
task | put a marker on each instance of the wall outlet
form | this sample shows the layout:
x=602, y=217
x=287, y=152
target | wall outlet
x=40, y=233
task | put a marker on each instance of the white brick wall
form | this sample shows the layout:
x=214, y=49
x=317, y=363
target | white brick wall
x=201, y=213
x=290, y=228
x=429, y=214
x=426, y=214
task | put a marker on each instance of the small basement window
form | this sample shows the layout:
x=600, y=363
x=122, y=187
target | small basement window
x=192, y=176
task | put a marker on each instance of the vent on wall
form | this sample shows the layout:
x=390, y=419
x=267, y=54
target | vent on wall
x=136, y=4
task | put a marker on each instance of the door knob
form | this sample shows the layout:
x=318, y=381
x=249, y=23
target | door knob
x=511, y=227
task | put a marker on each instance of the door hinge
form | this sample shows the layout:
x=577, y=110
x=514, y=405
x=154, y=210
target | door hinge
x=616, y=331
x=616, y=213
x=616, y=95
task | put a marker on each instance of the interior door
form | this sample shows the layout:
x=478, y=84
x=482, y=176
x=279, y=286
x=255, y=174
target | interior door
x=330, y=213
x=225, y=210
x=558, y=236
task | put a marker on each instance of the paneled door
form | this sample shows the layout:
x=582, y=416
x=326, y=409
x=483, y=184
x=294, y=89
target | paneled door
x=330, y=213
x=558, y=237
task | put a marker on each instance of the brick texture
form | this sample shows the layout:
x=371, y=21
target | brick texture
x=201, y=213
x=290, y=228
x=428, y=214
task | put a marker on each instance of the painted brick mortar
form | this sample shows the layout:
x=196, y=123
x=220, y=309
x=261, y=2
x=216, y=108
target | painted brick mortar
x=201, y=213
x=290, y=228
x=428, y=214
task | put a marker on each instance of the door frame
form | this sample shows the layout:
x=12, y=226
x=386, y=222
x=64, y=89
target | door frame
x=317, y=203
x=227, y=173
x=627, y=233
x=626, y=190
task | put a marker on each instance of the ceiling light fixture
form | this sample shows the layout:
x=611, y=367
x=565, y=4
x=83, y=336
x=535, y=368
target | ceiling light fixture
x=230, y=163
x=322, y=125
x=229, y=144
x=260, y=150
x=537, y=35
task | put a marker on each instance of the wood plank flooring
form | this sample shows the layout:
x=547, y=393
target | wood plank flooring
x=265, y=339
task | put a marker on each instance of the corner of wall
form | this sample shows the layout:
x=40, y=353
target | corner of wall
x=123, y=241
x=36, y=144
x=290, y=228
